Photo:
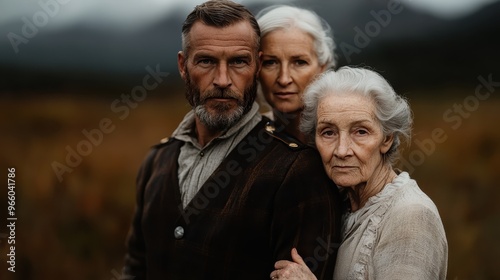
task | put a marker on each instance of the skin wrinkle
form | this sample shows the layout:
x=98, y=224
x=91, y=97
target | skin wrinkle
x=219, y=63
x=351, y=143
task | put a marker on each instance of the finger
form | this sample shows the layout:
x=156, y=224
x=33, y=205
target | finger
x=276, y=274
x=281, y=264
x=297, y=258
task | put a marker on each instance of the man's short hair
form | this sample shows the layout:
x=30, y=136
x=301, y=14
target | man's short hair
x=218, y=13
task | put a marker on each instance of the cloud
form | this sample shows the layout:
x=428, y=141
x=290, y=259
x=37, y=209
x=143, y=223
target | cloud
x=448, y=8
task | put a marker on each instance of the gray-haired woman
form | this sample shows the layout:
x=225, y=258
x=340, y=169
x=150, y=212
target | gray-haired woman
x=392, y=229
x=296, y=46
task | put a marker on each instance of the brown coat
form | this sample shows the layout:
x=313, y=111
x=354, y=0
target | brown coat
x=266, y=197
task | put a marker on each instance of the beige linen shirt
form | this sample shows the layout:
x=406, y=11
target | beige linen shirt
x=398, y=234
x=197, y=163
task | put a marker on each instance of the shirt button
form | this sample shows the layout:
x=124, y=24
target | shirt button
x=178, y=232
x=202, y=154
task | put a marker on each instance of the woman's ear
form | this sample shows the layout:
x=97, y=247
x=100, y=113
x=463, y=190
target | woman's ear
x=386, y=144
x=324, y=68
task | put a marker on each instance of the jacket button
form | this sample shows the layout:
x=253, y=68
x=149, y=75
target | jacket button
x=270, y=128
x=178, y=232
x=293, y=145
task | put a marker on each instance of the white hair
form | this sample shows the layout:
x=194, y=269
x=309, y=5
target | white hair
x=391, y=110
x=282, y=16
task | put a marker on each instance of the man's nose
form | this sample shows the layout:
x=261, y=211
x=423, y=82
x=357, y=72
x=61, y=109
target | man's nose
x=222, y=78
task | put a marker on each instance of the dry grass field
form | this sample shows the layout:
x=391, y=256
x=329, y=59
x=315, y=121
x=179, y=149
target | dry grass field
x=74, y=228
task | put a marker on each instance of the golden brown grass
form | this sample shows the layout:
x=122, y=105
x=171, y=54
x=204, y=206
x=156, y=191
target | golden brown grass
x=75, y=229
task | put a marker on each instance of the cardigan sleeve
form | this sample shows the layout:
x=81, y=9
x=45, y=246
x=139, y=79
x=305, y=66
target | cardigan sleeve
x=307, y=216
x=135, y=259
x=412, y=245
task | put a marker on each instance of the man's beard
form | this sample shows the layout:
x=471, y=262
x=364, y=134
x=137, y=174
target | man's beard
x=221, y=116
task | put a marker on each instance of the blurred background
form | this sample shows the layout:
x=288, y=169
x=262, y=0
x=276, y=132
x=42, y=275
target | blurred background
x=87, y=87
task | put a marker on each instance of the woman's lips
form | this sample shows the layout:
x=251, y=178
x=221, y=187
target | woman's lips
x=284, y=94
x=339, y=167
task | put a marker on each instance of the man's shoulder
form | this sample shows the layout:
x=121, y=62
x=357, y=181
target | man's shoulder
x=166, y=146
x=164, y=143
x=279, y=136
x=289, y=151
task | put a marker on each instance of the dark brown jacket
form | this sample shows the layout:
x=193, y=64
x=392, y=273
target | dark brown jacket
x=267, y=196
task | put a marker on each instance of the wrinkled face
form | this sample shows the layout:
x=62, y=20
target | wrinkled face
x=220, y=72
x=350, y=138
x=289, y=63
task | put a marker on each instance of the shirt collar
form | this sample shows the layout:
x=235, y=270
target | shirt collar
x=185, y=131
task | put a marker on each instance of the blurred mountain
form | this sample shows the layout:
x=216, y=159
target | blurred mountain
x=411, y=48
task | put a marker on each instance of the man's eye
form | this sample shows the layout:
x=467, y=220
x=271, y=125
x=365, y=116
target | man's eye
x=205, y=61
x=239, y=62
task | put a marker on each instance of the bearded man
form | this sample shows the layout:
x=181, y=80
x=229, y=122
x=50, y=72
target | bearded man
x=227, y=195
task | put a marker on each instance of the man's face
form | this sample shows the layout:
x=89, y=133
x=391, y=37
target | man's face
x=220, y=72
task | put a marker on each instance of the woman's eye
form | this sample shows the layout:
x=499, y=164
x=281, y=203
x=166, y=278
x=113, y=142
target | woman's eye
x=268, y=62
x=301, y=62
x=362, y=131
x=327, y=133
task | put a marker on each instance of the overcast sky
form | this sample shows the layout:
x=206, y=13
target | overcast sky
x=139, y=9
x=127, y=13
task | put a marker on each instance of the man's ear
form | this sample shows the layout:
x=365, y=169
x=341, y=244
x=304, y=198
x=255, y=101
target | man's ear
x=181, y=60
x=386, y=145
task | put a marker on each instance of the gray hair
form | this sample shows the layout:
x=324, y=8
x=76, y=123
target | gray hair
x=282, y=16
x=391, y=110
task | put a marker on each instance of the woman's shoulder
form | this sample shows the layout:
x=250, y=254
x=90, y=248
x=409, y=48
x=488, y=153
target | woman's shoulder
x=410, y=199
x=412, y=208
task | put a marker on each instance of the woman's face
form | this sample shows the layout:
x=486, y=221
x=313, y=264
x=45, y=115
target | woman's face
x=350, y=139
x=289, y=63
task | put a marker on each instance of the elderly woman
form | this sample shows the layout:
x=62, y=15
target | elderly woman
x=296, y=45
x=392, y=229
